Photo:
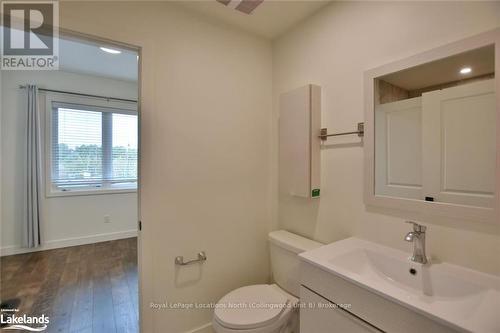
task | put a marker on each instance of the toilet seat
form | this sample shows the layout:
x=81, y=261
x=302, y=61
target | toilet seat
x=254, y=308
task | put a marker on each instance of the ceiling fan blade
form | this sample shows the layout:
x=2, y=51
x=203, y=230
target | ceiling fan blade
x=248, y=6
x=244, y=6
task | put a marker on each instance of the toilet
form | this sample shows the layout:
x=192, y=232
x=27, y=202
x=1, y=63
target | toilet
x=267, y=308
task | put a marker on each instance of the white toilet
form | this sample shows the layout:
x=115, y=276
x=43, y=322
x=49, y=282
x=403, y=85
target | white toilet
x=267, y=308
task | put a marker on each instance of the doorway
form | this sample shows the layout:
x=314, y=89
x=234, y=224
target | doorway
x=75, y=262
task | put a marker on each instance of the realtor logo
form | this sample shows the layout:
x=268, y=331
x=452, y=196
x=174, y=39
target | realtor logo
x=10, y=320
x=30, y=35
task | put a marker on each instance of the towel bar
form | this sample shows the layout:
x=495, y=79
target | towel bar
x=180, y=259
x=360, y=132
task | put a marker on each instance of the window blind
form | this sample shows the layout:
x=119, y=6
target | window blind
x=124, y=157
x=93, y=147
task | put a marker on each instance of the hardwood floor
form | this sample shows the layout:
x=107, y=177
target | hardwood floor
x=88, y=288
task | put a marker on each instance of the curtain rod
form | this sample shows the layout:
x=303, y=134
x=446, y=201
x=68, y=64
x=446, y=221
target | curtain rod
x=85, y=95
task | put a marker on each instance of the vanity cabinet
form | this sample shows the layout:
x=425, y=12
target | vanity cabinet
x=368, y=311
x=319, y=315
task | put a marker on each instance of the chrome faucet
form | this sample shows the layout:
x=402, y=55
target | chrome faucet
x=417, y=236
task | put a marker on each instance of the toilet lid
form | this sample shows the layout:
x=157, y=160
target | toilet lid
x=250, y=307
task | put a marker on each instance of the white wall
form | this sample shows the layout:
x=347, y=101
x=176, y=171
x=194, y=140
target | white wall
x=67, y=220
x=207, y=163
x=206, y=116
x=333, y=49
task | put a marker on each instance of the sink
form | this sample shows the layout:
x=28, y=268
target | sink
x=399, y=272
x=461, y=298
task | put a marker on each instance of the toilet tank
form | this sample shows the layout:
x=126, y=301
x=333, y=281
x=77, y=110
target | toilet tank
x=284, y=247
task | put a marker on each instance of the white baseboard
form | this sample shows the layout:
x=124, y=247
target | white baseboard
x=207, y=328
x=74, y=241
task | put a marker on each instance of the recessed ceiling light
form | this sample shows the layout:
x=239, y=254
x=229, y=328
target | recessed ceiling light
x=108, y=50
x=465, y=70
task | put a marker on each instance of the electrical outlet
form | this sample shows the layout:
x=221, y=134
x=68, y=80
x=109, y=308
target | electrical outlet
x=107, y=219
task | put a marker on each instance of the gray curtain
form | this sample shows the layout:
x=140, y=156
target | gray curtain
x=31, y=226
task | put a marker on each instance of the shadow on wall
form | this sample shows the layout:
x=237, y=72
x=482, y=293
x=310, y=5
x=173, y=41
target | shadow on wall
x=307, y=210
x=342, y=145
x=187, y=276
x=487, y=228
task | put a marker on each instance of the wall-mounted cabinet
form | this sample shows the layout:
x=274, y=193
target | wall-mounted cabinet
x=299, y=143
x=432, y=122
x=439, y=147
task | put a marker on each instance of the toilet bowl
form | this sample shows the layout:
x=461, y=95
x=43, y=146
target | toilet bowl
x=255, y=309
x=267, y=308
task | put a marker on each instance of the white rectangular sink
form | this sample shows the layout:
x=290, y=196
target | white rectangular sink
x=457, y=297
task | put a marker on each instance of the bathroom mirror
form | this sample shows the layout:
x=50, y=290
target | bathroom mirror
x=432, y=126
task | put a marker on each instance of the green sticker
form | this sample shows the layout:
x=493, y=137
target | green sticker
x=315, y=193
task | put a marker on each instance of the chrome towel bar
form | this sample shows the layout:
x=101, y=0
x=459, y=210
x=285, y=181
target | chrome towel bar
x=180, y=259
x=360, y=132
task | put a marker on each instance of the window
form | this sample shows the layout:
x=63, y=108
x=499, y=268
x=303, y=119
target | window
x=93, y=148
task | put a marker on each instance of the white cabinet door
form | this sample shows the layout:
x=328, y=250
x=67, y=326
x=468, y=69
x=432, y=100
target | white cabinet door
x=299, y=144
x=459, y=137
x=398, y=149
x=319, y=316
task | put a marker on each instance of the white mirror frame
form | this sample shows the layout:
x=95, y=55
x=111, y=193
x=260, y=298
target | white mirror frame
x=491, y=215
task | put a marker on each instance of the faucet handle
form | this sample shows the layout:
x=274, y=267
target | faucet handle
x=417, y=227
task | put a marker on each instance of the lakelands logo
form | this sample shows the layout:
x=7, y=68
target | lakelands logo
x=30, y=35
x=9, y=320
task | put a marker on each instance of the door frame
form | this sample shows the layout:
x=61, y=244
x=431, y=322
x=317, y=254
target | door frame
x=67, y=33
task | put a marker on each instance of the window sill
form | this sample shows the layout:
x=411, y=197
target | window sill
x=55, y=194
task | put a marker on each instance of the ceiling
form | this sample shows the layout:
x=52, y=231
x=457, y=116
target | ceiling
x=85, y=57
x=481, y=61
x=270, y=19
